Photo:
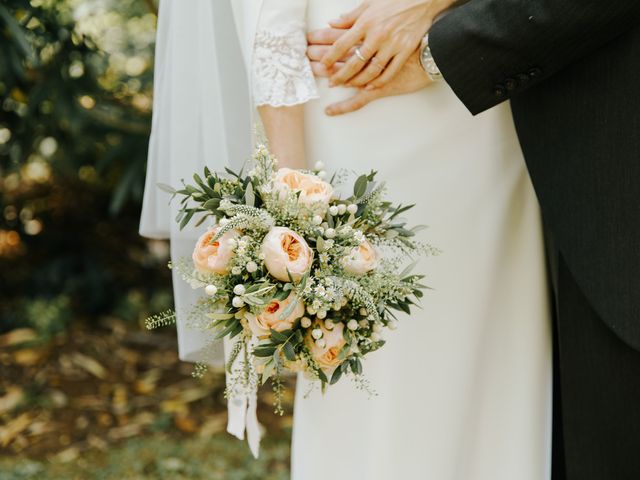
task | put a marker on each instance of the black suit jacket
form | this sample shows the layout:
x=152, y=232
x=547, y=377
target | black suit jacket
x=572, y=70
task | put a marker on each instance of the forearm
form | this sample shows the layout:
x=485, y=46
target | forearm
x=282, y=80
x=284, y=127
x=491, y=50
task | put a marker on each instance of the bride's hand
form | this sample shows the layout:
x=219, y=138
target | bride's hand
x=411, y=77
x=389, y=31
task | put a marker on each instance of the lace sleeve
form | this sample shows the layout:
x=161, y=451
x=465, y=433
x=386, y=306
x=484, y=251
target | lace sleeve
x=282, y=73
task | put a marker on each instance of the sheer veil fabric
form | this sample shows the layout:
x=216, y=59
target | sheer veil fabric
x=202, y=115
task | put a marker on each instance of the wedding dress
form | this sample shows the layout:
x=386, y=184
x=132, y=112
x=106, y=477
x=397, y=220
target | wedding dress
x=463, y=387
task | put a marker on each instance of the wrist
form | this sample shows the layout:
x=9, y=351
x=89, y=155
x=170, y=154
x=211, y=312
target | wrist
x=427, y=62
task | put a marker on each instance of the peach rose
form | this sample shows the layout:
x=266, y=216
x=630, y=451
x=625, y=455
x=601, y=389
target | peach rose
x=270, y=317
x=327, y=357
x=214, y=257
x=285, y=250
x=361, y=259
x=312, y=189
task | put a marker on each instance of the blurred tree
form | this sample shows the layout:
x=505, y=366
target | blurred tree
x=75, y=110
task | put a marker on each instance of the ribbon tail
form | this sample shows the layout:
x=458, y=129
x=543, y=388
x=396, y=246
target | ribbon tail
x=242, y=410
x=254, y=429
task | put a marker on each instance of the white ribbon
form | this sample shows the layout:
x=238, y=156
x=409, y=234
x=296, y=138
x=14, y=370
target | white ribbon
x=242, y=407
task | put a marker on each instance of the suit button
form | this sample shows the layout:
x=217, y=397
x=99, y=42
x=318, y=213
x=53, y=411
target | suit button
x=535, y=72
x=511, y=84
x=499, y=91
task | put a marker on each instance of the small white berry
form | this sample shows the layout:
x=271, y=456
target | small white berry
x=252, y=266
x=329, y=233
x=333, y=210
x=311, y=310
x=262, y=256
x=316, y=220
x=316, y=333
x=321, y=343
x=352, y=324
x=377, y=327
x=237, y=302
x=375, y=337
x=236, y=270
x=363, y=312
x=322, y=314
x=239, y=289
x=321, y=174
x=211, y=290
x=363, y=324
x=342, y=208
x=319, y=166
x=352, y=209
x=328, y=324
x=392, y=324
x=305, y=322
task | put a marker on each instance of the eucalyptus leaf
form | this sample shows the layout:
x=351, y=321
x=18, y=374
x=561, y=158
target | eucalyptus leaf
x=268, y=371
x=278, y=336
x=337, y=373
x=289, y=352
x=249, y=195
x=166, y=188
x=290, y=308
x=264, y=351
x=360, y=187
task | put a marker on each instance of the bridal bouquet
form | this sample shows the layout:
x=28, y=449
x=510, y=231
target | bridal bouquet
x=299, y=278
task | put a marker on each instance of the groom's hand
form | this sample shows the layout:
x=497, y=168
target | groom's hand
x=410, y=78
x=388, y=32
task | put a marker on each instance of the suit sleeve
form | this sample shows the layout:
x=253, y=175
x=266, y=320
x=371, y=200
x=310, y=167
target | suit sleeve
x=491, y=50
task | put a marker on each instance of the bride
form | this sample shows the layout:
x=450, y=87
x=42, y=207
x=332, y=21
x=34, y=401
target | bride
x=476, y=403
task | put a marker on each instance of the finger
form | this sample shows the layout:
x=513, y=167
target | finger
x=317, y=52
x=368, y=49
x=352, y=104
x=319, y=70
x=325, y=36
x=348, y=19
x=341, y=46
x=374, y=69
x=391, y=71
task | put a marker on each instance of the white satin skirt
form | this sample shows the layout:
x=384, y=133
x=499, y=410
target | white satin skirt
x=464, y=385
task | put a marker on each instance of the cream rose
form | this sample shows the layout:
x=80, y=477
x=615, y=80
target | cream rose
x=327, y=357
x=271, y=316
x=361, y=259
x=214, y=257
x=285, y=250
x=312, y=189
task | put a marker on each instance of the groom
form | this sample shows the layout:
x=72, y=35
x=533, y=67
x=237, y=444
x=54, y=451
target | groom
x=571, y=69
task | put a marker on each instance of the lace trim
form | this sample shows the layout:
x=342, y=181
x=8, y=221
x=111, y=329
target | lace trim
x=282, y=73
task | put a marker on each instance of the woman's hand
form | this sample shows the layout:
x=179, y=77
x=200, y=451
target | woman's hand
x=411, y=77
x=389, y=32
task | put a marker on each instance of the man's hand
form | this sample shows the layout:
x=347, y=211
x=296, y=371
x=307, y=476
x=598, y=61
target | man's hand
x=410, y=78
x=389, y=32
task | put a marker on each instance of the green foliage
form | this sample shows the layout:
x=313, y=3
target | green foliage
x=75, y=112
